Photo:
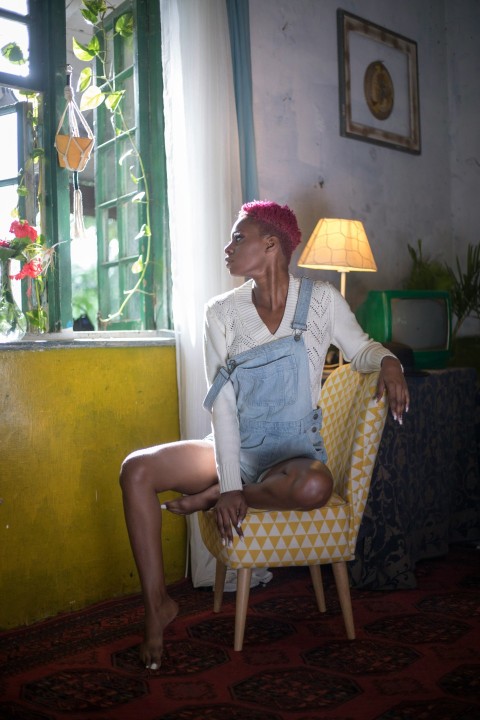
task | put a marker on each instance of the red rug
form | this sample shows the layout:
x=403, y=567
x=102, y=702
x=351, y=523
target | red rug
x=417, y=655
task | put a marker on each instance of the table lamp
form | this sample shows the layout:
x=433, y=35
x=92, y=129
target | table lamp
x=338, y=245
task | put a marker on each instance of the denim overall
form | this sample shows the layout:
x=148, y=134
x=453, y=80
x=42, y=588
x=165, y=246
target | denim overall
x=272, y=387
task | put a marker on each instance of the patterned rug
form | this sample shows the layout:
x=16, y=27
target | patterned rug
x=417, y=655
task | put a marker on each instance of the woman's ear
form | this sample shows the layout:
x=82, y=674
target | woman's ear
x=272, y=243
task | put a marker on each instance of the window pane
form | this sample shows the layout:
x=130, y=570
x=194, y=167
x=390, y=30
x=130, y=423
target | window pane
x=127, y=169
x=8, y=131
x=112, y=241
x=132, y=311
x=127, y=52
x=127, y=104
x=11, y=31
x=16, y=6
x=113, y=289
x=84, y=273
x=132, y=227
x=8, y=202
x=106, y=179
x=108, y=51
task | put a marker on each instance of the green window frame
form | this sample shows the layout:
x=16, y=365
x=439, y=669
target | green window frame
x=136, y=69
x=17, y=112
x=45, y=24
x=150, y=308
x=27, y=204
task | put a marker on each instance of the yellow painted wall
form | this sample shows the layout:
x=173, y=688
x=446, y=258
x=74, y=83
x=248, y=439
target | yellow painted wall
x=68, y=417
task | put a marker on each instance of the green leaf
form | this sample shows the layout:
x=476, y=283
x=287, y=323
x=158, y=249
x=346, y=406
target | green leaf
x=86, y=53
x=143, y=232
x=94, y=45
x=93, y=9
x=91, y=98
x=112, y=99
x=89, y=16
x=6, y=253
x=13, y=53
x=138, y=265
x=139, y=197
x=84, y=79
x=96, y=6
x=38, y=153
x=82, y=52
x=37, y=318
x=124, y=25
x=22, y=191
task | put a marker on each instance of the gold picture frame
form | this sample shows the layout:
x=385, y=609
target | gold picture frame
x=378, y=84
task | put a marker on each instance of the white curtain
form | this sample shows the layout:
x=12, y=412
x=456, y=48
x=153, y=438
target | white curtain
x=203, y=176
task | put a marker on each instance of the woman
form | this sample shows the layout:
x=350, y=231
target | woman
x=265, y=347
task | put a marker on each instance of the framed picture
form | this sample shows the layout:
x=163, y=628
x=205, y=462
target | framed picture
x=378, y=83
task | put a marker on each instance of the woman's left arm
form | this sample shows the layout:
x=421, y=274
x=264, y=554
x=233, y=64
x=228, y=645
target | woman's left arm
x=367, y=355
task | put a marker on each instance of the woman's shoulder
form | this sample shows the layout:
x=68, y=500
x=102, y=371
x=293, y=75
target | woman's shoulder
x=321, y=288
x=226, y=299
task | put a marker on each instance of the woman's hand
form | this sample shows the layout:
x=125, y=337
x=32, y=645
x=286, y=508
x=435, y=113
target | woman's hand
x=392, y=381
x=230, y=511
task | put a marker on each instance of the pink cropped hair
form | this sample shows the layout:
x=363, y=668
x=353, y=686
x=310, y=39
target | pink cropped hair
x=277, y=220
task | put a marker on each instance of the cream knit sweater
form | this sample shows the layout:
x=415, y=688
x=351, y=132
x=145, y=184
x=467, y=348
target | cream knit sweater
x=232, y=325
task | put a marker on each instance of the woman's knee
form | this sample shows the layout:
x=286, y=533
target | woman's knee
x=134, y=471
x=313, y=488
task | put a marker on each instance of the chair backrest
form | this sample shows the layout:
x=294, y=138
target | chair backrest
x=352, y=428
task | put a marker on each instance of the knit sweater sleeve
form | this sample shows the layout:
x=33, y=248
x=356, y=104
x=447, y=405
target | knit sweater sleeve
x=224, y=413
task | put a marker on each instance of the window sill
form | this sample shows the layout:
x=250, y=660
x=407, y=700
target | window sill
x=69, y=339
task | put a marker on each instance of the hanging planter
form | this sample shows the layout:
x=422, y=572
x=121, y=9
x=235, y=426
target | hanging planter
x=73, y=150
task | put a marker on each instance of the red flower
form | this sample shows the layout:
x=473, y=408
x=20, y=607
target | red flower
x=21, y=228
x=5, y=243
x=31, y=269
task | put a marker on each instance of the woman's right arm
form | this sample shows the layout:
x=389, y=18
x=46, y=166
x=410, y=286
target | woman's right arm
x=224, y=414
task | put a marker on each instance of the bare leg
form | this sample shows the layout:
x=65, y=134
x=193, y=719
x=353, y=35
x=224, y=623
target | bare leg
x=297, y=484
x=187, y=467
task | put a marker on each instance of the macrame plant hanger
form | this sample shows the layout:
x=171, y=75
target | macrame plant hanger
x=74, y=150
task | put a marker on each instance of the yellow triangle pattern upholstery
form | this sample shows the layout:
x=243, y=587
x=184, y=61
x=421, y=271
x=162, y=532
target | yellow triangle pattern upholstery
x=284, y=537
x=352, y=428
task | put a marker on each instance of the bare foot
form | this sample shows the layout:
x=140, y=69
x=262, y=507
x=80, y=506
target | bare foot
x=189, y=504
x=156, y=621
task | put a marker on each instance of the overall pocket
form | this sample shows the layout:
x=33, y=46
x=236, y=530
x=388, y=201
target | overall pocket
x=269, y=386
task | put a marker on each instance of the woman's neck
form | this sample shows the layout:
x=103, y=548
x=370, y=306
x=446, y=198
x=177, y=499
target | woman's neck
x=269, y=295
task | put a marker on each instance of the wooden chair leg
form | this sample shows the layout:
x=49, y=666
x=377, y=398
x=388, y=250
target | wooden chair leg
x=340, y=574
x=316, y=575
x=220, y=574
x=243, y=591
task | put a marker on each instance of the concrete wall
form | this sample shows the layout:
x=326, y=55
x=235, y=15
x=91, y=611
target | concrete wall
x=303, y=160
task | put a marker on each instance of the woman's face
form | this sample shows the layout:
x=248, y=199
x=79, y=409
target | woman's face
x=245, y=253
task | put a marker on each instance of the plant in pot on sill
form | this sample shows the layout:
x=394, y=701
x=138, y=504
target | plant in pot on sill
x=30, y=249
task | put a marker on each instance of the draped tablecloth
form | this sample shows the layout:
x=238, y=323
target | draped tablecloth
x=425, y=490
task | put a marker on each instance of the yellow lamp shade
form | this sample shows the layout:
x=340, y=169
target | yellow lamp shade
x=338, y=245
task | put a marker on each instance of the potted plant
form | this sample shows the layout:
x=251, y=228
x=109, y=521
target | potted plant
x=464, y=288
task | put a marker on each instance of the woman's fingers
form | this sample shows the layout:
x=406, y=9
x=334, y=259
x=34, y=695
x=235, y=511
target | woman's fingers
x=230, y=512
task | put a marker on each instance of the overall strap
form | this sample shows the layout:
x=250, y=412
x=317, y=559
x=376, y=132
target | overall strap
x=221, y=379
x=299, y=323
